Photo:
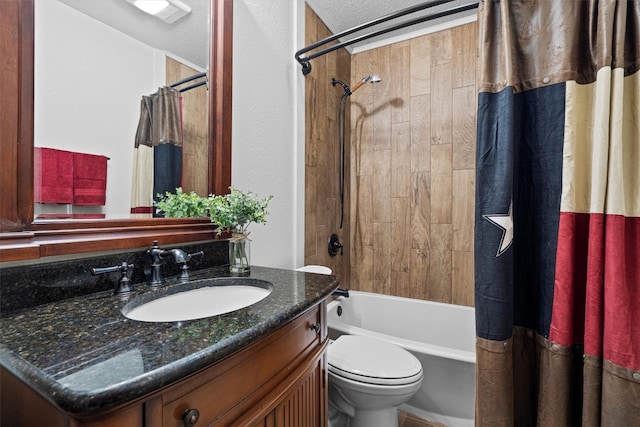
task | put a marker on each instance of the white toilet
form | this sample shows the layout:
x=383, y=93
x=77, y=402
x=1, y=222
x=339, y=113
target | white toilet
x=370, y=378
x=319, y=269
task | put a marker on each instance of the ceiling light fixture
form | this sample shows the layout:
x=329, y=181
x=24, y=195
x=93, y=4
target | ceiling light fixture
x=167, y=10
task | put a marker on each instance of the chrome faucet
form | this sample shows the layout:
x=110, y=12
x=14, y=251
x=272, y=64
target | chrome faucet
x=179, y=256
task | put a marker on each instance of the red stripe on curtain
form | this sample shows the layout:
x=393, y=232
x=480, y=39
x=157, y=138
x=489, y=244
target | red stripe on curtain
x=142, y=210
x=595, y=294
x=567, y=320
x=621, y=294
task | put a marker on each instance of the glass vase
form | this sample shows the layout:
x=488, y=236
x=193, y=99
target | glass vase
x=239, y=254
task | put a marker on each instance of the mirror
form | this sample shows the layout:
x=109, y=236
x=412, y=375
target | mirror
x=93, y=62
x=20, y=237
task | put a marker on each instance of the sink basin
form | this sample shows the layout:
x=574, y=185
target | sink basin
x=197, y=300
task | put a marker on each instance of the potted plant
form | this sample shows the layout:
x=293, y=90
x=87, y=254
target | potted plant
x=233, y=213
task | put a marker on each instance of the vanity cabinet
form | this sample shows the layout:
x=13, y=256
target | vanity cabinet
x=279, y=380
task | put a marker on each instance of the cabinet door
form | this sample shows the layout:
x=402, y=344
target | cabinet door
x=268, y=421
x=305, y=406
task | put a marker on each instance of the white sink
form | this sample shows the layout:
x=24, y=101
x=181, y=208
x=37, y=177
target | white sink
x=208, y=298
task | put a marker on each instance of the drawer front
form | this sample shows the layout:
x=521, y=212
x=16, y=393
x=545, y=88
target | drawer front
x=244, y=377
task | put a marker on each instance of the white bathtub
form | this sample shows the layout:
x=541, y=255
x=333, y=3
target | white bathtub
x=441, y=336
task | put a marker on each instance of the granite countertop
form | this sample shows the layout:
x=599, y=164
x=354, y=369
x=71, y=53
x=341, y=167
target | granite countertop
x=85, y=356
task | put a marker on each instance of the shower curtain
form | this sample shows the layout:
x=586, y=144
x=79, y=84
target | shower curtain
x=557, y=223
x=157, y=156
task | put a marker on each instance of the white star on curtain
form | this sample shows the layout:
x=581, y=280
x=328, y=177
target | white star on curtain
x=505, y=223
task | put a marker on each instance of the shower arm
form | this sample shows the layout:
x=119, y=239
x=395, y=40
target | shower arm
x=373, y=78
x=345, y=87
x=370, y=78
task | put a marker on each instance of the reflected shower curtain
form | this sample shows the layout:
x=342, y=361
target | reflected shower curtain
x=157, y=158
x=557, y=226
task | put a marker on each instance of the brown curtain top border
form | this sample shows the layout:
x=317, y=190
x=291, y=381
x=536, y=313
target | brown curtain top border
x=530, y=44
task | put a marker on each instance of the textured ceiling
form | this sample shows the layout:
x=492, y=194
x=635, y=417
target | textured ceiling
x=188, y=37
x=341, y=15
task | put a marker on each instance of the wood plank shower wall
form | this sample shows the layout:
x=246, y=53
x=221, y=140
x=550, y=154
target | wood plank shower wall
x=412, y=166
x=322, y=196
x=195, y=148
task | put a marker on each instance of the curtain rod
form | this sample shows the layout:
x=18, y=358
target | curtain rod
x=193, y=86
x=188, y=79
x=304, y=60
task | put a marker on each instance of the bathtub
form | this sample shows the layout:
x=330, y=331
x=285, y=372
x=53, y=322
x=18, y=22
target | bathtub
x=441, y=336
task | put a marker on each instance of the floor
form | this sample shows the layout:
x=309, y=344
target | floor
x=405, y=419
x=409, y=420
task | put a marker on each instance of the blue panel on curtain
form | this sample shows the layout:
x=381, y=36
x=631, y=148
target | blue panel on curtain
x=519, y=185
x=167, y=172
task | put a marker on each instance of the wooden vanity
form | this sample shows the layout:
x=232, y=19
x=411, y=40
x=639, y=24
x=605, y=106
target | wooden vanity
x=278, y=379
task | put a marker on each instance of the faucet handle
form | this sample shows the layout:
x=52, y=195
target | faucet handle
x=154, y=247
x=195, y=255
x=124, y=284
x=334, y=245
x=184, y=270
x=154, y=253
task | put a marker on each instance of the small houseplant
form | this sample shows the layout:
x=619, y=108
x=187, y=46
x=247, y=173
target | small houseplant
x=233, y=213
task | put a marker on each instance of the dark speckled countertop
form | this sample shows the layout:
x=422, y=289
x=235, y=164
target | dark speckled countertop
x=85, y=356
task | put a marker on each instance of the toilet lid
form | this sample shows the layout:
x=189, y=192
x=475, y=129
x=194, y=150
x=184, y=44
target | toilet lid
x=372, y=361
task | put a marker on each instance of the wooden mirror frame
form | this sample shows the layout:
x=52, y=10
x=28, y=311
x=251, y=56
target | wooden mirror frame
x=20, y=237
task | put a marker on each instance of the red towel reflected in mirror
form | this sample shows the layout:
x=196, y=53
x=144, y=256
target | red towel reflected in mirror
x=53, y=175
x=89, y=179
x=66, y=177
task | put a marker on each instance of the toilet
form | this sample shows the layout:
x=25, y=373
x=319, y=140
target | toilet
x=318, y=269
x=369, y=379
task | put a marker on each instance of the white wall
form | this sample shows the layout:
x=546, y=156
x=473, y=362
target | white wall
x=87, y=101
x=268, y=124
x=268, y=108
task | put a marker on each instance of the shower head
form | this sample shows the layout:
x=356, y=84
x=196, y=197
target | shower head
x=371, y=78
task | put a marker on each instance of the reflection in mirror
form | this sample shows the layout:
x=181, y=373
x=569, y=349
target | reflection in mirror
x=89, y=81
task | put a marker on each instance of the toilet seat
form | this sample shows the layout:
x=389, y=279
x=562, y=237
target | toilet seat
x=372, y=361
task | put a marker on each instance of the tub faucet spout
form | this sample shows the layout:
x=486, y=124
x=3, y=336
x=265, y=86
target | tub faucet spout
x=341, y=293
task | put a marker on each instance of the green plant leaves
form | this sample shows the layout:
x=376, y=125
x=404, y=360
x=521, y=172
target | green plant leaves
x=237, y=210
x=181, y=204
x=232, y=212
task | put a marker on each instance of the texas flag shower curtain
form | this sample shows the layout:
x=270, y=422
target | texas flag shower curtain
x=157, y=161
x=557, y=223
